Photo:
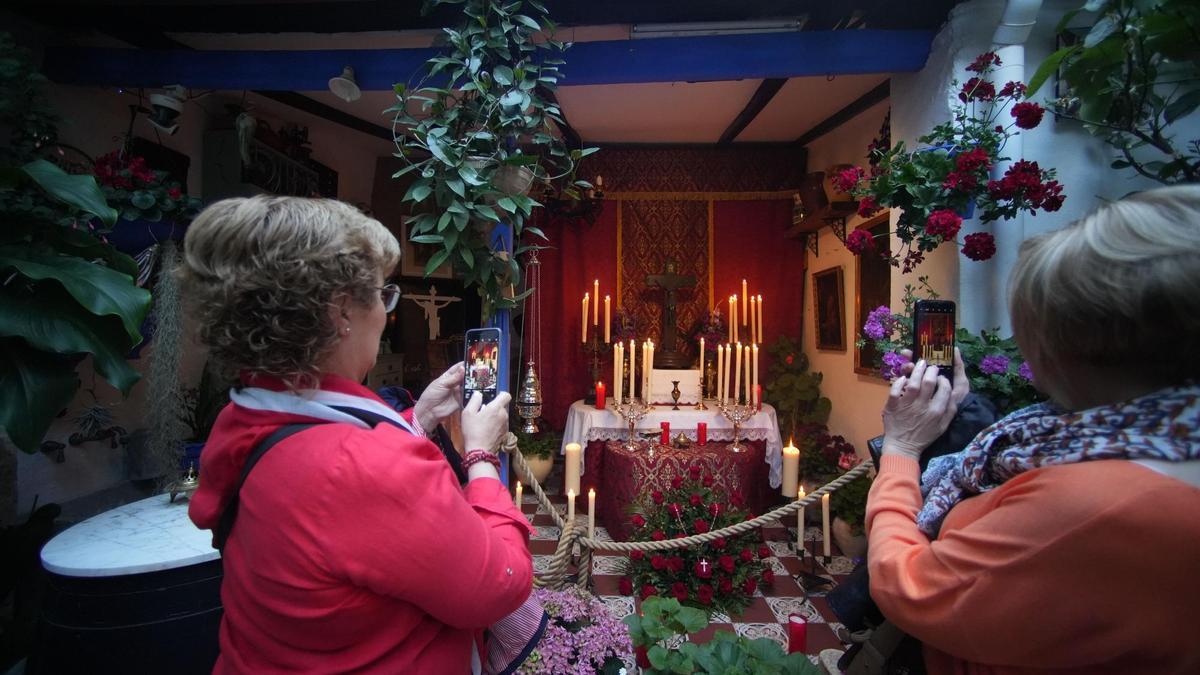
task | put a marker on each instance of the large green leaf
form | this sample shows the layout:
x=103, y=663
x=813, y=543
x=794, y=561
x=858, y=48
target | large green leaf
x=81, y=244
x=81, y=192
x=34, y=388
x=53, y=322
x=100, y=290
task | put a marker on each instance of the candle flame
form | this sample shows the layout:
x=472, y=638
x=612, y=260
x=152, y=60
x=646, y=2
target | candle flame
x=591, y=492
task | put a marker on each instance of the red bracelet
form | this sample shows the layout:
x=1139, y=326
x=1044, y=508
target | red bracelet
x=476, y=456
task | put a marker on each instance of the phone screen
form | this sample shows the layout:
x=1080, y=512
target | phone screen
x=933, y=333
x=482, y=363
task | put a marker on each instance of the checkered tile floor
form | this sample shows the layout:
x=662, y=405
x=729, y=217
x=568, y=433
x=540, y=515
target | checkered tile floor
x=765, y=617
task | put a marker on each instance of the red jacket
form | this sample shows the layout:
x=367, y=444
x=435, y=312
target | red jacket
x=355, y=549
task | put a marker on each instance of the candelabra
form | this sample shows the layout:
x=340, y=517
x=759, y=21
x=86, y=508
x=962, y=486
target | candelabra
x=593, y=347
x=737, y=413
x=633, y=412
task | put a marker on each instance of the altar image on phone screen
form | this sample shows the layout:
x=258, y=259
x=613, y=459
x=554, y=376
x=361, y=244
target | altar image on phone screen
x=935, y=338
x=483, y=359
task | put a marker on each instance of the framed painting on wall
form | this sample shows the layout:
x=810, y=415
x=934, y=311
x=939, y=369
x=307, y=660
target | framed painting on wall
x=414, y=256
x=872, y=289
x=829, y=299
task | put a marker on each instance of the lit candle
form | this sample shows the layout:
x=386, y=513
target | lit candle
x=728, y=369
x=585, y=307
x=720, y=373
x=591, y=513
x=632, y=367
x=596, y=306
x=607, y=321
x=760, y=329
x=571, y=466
x=791, y=469
x=754, y=377
x=737, y=380
x=753, y=323
x=800, y=525
x=733, y=318
x=702, y=367
x=744, y=303
x=731, y=321
x=570, y=505
x=825, y=523
x=517, y=499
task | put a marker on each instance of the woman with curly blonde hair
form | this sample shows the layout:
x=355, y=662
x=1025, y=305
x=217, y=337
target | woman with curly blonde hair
x=335, y=546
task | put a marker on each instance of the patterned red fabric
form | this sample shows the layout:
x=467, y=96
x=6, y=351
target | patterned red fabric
x=710, y=169
x=626, y=475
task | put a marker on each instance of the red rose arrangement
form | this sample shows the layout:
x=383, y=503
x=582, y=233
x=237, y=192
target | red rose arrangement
x=138, y=192
x=936, y=186
x=719, y=576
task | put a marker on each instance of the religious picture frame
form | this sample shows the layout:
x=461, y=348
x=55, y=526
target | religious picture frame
x=829, y=315
x=872, y=289
x=414, y=256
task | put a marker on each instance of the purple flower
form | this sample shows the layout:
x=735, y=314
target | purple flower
x=994, y=364
x=580, y=636
x=1025, y=371
x=891, y=365
x=877, y=323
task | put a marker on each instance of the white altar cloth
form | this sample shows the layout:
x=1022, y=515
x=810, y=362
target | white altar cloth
x=585, y=423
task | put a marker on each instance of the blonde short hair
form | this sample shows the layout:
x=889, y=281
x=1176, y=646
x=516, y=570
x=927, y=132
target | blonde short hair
x=1120, y=287
x=260, y=274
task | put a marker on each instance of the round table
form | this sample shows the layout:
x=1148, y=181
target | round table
x=134, y=589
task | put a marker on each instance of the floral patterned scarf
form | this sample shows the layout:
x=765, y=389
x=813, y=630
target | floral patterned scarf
x=1164, y=425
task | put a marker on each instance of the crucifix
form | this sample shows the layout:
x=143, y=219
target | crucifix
x=431, y=303
x=670, y=282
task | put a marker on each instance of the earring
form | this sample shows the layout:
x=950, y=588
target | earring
x=347, y=330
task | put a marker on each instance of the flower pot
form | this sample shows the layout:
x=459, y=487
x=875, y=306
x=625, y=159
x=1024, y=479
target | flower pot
x=832, y=194
x=509, y=179
x=850, y=544
x=540, y=468
x=134, y=236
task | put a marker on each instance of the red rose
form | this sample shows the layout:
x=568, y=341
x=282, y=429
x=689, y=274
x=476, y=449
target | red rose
x=648, y=590
x=174, y=193
x=676, y=482
x=674, y=509
x=719, y=543
x=658, y=535
x=658, y=562
x=1028, y=114
x=859, y=241
x=725, y=585
x=943, y=223
x=749, y=586
x=676, y=564
x=643, y=658
x=637, y=520
x=696, y=499
x=979, y=246
x=703, y=569
x=764, y=551
x=746, y=555
x=700, y=525
x=768, y=577
x=657, y=496
x=679, y=590
x=714, y=509
x=705, y=594
x=867, y=207
x=726, y=562
x=625, y=586
x=637, y=555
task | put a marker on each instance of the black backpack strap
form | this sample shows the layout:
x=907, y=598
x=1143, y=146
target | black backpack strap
x=440, y=438
x=229, y=515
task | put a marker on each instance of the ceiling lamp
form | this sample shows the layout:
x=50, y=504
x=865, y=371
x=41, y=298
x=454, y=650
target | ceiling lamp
x=344, y=86
x=664, y=30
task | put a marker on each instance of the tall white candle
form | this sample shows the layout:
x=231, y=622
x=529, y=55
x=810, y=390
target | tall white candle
x=607, y=321
x=737, y=380
x=749, y=392
x=650, y=369
x=571, y=466
x=596, y=305
x=591, y=513
x=754, y=378
x=720, y=372
x=632, y=368
x=733, y=319
x=744, y=302
x=753, y=323
x=570, y=505
x=825, y=524
x=517, y=499
x=702, y=365
x=791, y=469
x=800, y=524
x=616, y=380
x=585, y=317
x=728, y=369
x=760, y=321
x=730, y=326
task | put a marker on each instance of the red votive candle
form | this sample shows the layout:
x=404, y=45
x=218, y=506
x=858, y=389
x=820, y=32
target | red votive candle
x=758, y=397
x=701, y=433
x=600, y=394
x=797, y=634
x=666, y=433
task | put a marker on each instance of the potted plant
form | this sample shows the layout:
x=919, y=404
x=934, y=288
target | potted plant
x=1129, y=79
x=477, y=129
x=582, y=635
x=937, y=186
x=849, y=507
x=152, y=207
x=201, y=405
x=794, y=392
x=538, y=450
x=64, y=293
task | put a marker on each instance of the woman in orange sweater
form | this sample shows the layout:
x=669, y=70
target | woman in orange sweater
x=1065, y=537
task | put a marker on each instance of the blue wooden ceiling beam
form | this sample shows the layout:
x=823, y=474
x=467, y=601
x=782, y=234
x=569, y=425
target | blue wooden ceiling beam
x=690, y=59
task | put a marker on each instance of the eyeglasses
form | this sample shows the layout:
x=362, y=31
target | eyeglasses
x=390, y=294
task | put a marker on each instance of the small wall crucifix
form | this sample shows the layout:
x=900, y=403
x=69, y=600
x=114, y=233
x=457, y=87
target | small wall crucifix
x=432, y=303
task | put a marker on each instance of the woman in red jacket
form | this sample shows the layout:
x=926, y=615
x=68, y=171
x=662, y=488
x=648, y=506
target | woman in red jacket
x=354, y=547
x=1064, y=538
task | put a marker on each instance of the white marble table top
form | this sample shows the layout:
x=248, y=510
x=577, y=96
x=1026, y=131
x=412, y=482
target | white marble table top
x=145, y=536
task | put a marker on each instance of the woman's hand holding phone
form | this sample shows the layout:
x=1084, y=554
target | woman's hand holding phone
x=484, y=426
x=920, y=405
x=441, y=399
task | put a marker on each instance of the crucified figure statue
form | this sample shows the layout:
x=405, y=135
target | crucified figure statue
x=669, y=282
x=431, y=303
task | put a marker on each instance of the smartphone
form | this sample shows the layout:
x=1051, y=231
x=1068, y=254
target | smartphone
x=933, y=334
x=482, y=362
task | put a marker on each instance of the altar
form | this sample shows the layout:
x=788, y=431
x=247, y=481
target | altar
x=590, y=428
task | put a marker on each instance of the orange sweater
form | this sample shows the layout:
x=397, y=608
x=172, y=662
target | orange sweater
x=1086, y=568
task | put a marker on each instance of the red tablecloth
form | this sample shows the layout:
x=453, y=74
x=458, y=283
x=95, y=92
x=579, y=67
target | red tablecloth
x=620, y=476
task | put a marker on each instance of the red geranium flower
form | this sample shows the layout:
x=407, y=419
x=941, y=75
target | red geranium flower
x=749, y=586
x=847, y=179
x=746, y=555
x=703, y=569
x=658, y=562
x=1013, y=90
x=658, y=535
x=958, y=180
x=857, y=242
x=657, y=496
x=976, y=89
x=725, y=585
x=972, y=160
x=637, y=555
x=637, y=520
x=625, y=586
x=979, y=246
x=679, y=590
x=700, y=525
x=788, y=359
x=174, y=193
x=983, y=62
x=726, y=562
x=1028, y=114
x=867, y=207
x=648, y=590
x=705, y=594
x=944, y=223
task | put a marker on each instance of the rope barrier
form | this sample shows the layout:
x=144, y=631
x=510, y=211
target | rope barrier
x=555, y=576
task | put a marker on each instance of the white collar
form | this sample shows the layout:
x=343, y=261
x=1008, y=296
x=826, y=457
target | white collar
x=316, y=403
x=1187, y=471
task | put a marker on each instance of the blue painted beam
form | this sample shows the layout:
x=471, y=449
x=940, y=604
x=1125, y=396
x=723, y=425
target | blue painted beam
x=690, y=59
